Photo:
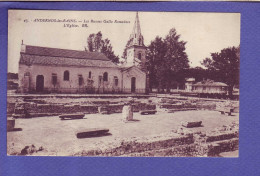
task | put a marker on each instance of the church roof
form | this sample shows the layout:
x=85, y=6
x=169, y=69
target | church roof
x=136, y=37
x=137, y=28
x=57, y=52
x=125, y=69
x=64, y=57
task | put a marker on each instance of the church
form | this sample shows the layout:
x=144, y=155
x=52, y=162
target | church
x=54, y=70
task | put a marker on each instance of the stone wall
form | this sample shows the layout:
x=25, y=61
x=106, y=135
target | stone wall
x=32, y=109
x=178, y=103
x=171, y=144
x=223, y=136
x=10, y=108
x=128, y=146
x=222, y=146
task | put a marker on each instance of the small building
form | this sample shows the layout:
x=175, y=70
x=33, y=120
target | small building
x=210, y=87
x=189, y=83
x=44, y=69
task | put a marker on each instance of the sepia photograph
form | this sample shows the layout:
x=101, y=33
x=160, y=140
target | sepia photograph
x=123, y=83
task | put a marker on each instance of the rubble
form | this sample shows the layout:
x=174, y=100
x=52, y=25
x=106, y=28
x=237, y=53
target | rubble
x=29, y=150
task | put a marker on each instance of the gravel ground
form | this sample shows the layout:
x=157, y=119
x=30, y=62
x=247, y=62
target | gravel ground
x=57, y=137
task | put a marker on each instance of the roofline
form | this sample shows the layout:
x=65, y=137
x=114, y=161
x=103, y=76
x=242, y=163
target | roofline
x=63, y=57
x=54, y=65
x=133, y=67
x=61, y=49
x=53, y=48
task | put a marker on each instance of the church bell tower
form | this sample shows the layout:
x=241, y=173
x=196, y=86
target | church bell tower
x=136, y=50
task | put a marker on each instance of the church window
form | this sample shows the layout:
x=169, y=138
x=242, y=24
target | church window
x=54, y=78
x=105, y=76
x=80, y=80
x=66, y=76
x=139, y=56
x=89, y=74
x=116, y=81
x=140, y=42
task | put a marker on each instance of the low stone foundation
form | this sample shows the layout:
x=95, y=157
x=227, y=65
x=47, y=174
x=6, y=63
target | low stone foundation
x=128, y=146
x=57, y=105
x=223, y=136
x=27, y=110
x=171, y=144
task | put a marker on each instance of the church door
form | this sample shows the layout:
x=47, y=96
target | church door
x=39, y=83
x=133, y=82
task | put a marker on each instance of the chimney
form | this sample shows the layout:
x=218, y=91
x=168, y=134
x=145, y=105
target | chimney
x=23, y=48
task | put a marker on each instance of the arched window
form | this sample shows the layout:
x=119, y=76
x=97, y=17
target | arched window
x=139, y=56
x=140, y=41
x=66, y=76
x=89, y=74
x=105, y=76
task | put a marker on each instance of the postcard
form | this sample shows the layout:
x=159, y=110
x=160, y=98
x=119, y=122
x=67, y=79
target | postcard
x=123, y=83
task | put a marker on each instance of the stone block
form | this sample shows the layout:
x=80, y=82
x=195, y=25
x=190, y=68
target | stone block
x=71, y=116
x=147, y=112
x=227, y=110
x=10, y=124
x=93, y=132
x=191, y=124
x=236, y=109
x=182, y=109
x=127, y=113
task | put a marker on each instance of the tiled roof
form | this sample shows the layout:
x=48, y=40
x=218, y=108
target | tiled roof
x=56, y=52
x=63, y=57
x=64, y=61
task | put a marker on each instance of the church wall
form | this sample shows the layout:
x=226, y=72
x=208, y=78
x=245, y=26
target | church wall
x=73, y=83
x=140, y=80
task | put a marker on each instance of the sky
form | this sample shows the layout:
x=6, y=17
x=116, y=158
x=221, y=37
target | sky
x=204, y=33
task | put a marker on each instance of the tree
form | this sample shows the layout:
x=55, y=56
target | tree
x=198, y=73
x=225, y=66
x=107, y=49
x=95, y=43
x=166, y=59
x=155, y=62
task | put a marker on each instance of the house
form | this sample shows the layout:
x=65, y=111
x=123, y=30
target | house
x=44, y=69
x=210, y=87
